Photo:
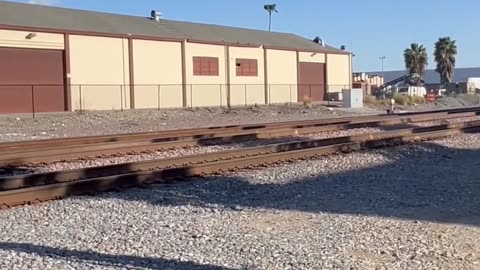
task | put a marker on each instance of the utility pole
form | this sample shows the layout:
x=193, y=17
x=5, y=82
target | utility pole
x=382, y=58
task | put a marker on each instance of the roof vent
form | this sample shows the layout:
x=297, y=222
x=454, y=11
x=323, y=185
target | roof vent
x=319, y=41
x=343, y=48
x=155, y=15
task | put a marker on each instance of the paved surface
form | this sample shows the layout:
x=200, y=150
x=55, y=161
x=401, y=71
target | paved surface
x=410, y=207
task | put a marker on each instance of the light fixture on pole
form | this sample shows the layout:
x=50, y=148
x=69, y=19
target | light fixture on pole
x=382, y=58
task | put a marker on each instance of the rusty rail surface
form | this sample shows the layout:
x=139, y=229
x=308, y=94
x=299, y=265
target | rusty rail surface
x=200, y=132
x=24, y=189
x=189, y=138
x=204, y=132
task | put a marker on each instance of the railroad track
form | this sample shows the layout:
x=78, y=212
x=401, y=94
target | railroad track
x=203, y=132
x=34, y=188
x=47, y=151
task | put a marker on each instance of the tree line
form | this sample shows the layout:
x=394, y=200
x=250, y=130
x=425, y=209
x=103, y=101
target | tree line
x=416, y=59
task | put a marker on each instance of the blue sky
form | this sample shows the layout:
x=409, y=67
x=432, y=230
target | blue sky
x=370, y=28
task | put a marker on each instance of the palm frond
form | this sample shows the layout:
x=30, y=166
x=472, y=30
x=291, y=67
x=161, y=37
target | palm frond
x=271, y=8
x=445, y=56
x=416, y=59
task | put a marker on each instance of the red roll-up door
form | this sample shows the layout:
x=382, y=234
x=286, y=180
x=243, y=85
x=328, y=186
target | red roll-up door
x=31, y=79
x=311, y=81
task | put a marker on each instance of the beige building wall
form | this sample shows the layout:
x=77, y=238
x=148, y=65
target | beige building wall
x=100, y=65
x=350, y=65
x=246, y=90
x=204, y=91
x=157, y=74
x=310, y=57
x=339, y=75
x=19, y=39
x=282, y=76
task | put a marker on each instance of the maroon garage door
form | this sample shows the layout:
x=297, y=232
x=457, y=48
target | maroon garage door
x=311, y=81
x=31, y=79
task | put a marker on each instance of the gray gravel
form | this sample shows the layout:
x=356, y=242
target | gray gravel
x=454, y=101
x=88, y=163
x=445, y=102
x=14, y=128
x=447, y=121
x=409, y=207
x=100, y=123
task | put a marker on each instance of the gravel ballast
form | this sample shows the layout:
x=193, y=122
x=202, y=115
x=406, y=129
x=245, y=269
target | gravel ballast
x=104, y=161
x=444, y=102
x=102, y=123
x=95, y=162
x=13, y=128
x=409, y=207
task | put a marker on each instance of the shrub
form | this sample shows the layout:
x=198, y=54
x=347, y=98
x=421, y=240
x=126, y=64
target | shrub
x=307, y=102
x=370, y=100
x=401, y=99
x=416, y=100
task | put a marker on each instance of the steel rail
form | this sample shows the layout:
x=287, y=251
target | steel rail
x=25, y=189
x=202, y=132
x=23, y=157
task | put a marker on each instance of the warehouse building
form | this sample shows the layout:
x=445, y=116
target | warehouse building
x=56, y=59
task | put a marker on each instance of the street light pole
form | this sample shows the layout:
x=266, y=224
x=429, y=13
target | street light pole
x=382, y=58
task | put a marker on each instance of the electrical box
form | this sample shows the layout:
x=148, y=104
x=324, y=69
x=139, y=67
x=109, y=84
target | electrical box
x=353, y=98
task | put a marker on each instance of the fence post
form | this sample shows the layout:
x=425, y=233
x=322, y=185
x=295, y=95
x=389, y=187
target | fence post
x=327, y=95
x=33, y=101
x=246, y=95
x=310, y=86
x=191, y=96
x=290, y=95
x=80, y=95
x=221, y=96
x=121, y=98
x=269, y=94
x=158, y=96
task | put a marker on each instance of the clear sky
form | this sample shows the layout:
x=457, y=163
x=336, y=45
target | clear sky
x=370, y=28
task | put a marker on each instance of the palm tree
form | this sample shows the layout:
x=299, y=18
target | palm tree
x=270, y=9
x=445, y=52
x=416, y=59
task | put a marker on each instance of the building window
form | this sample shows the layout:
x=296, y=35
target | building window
x=205, y=66
x=247, y=67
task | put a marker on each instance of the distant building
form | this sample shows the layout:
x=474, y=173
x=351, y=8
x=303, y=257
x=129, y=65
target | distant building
x=431, y=76
x=367, y=82
x=374, y=80
x=464, y=79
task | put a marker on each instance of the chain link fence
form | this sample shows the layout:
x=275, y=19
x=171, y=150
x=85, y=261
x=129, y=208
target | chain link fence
x=86, y=97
